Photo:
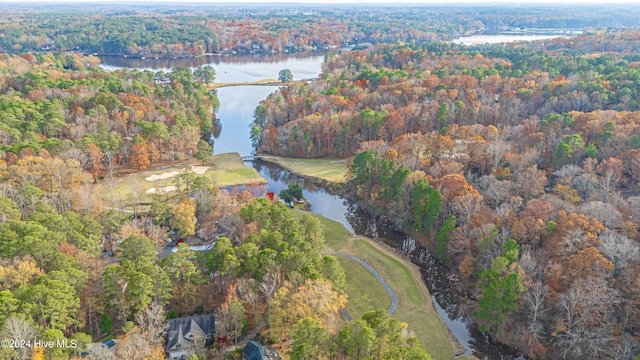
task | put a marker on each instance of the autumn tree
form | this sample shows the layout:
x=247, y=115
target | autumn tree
x=139, y=157
x=96, y=162
x=184, y=219
x=315, y=298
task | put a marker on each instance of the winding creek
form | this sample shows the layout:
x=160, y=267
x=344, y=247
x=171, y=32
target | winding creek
x=235, y=114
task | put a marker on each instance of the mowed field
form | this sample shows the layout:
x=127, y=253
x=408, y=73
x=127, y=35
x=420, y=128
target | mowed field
x=366, y=293
x=224, y=170
x=331, y=170
x=414, y=304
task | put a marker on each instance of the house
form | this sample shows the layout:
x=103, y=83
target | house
x=185, y=334
x=256, y=351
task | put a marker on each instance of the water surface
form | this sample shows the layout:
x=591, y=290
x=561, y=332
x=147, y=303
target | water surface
x=235, y=115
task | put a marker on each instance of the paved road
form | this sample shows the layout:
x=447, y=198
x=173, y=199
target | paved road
x=346, y=314
x=394, y=298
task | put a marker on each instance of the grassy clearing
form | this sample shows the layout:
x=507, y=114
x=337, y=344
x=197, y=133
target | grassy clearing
x=224, y=170
x=414, y=303
x=325, y=169
x=364, y=290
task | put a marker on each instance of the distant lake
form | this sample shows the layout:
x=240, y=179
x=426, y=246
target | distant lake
x=235, y=68
x=502, y=38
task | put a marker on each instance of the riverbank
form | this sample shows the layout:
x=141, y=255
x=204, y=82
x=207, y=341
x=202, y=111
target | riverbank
x=365, y=292
x=414, y=303
x=323, y=170
x=224, y=170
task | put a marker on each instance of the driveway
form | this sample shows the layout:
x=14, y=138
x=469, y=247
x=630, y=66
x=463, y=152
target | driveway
x=394, y=298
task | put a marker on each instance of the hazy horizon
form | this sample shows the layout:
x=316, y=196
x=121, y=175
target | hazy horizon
x=319, y=2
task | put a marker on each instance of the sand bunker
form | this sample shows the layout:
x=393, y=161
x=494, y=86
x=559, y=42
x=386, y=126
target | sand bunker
x=162, y=190
x=200, y=170
x=162, y=176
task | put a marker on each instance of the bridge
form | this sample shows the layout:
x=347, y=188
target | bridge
x=250, y=158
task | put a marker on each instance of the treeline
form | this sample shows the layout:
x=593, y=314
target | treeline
x=385, y=93
x=195, y=31
x=517, y=165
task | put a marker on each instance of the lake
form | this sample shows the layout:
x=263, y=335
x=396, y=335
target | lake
x=502, y=38
x=228, y=68
x=235, y=115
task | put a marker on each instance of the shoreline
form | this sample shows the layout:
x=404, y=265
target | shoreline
x=457, y=347
x=282, y=162
x=264, y=82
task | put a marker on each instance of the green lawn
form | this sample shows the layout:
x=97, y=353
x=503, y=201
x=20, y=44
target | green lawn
x=364, y=290
x=224, y=170
x=414, y=305
x=325, y=169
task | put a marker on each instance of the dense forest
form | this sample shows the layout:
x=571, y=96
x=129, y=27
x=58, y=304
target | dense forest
x=519, y=166
x=66, y=106
x=166, y=31
x=73, y=269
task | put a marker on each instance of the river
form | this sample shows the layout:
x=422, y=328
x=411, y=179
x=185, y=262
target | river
x=235, y=116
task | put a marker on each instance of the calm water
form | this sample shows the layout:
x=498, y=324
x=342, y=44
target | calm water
x=236, y=114
x=228, y=68
x=237, y=105
x=502, y=38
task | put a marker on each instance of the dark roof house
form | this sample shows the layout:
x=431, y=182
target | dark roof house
x=185, y=333
x=257, y=351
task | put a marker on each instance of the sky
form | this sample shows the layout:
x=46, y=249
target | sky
x=388, y=2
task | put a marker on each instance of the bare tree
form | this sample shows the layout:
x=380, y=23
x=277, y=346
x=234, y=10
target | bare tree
x=268, y=287
x=624, y=350
x=75, y=154
x=497, y=152
x=19, y=329
x=133, y=346
x=529, y=263
x=497, y=192
x=152, y=324
x=157, y=234
x=465, y=208
x=586, y=184
x=99, y=351
x=575, y=240
x=618, y=248
x=236, y=317
x=536, y=297
x=248, y=291
x=109, y=158
x=586, y=325
x=604, y=212
x=222, y=320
